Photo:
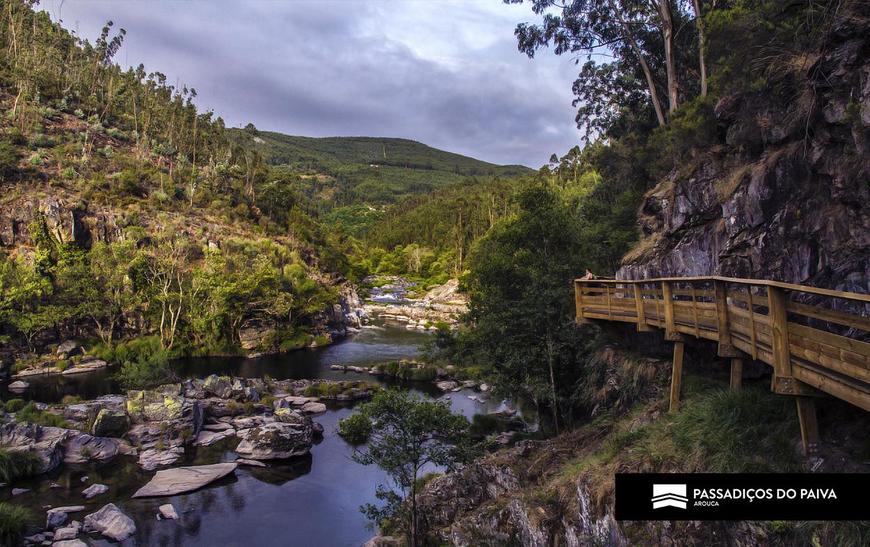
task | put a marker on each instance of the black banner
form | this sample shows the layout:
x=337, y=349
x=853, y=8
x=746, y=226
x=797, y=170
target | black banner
x=743, y=496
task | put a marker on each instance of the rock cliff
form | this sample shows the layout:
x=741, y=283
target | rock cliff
x=784, y=194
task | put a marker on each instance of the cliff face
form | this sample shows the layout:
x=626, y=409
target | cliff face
x=785, y=194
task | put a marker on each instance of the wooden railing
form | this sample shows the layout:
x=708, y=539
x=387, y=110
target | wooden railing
x=816, y=340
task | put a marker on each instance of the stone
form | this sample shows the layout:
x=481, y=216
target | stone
x=153, y=458
x=111, y=522
x=219, y=386
x=94, y=490
x=251, y=463
x=18, y=386
x=56, y=516
x=67, y=532
x=314, y=408
x=317, y=428
x=288, y=415
x=382, y=541
x=292, y=401
x=68, y=348
x=45, y=442
x=169, y=482
x=446, y=385
x=90, y=366
x=208, y=438
x=70, y=543
x=277, y=440
x=484, y=387
x=110, y=423
x=83, y=448
x=220, y=426
x=167, y=511
x=19, y=491
x=144, y=405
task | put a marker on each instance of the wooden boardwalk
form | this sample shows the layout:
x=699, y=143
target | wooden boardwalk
x=815, y=339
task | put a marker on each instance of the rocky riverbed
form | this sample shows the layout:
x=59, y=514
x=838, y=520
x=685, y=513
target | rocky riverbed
x=441, y=304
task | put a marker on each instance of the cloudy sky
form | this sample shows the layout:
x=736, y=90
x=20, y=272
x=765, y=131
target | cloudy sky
x=446, y=73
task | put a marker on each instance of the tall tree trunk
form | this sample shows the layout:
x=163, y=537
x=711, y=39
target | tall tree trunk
x=647, y=73
x=664, y=7
x=702, y=46
x=550, y=352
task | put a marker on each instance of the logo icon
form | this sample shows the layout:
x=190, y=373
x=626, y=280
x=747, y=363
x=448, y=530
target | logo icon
x=669, y=495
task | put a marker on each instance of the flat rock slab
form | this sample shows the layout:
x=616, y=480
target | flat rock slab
x=251, y=463
x=169, y=482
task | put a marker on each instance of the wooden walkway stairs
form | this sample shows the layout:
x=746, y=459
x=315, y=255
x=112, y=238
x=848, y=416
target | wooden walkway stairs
x=815, y=339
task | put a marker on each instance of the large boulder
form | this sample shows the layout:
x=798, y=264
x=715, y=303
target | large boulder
x=219, y=386
x=110, y=423
x=277, y=440
x=82, y=448
x=110, y=522
x=45, y=442
x=184, y=416
x=183, y=479
x=67, y=349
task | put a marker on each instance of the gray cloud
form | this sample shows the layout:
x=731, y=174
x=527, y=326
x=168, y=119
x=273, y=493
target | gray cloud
x=444, y=73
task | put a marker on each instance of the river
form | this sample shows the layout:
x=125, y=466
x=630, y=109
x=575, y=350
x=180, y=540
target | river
x=308, y=501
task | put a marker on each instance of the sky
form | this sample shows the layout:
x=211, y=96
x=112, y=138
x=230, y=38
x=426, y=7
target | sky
x=445, y=73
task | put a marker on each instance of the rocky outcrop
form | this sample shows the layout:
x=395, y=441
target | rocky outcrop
x=170, y=482
x=45, y=442
x=277, y=440
x=442, y=304
x=784, y=195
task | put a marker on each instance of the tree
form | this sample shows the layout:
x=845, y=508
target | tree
x=521, y=305
x=640, y=35
x=407, y=436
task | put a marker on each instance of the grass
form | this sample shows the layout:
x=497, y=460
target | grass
x=13, y=521
x=16, y=465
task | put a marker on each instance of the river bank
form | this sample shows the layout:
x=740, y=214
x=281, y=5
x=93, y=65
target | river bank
x=316, y=496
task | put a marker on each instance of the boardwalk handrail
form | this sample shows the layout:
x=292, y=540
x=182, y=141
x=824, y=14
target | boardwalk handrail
x=817, y=340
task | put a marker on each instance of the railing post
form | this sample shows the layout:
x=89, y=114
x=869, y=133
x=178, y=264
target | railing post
x=779, y=336
x=641, y=311
x=578, y=303
x=723, y=327
x=668, y=301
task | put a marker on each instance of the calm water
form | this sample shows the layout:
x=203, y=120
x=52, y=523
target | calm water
x=308, y=501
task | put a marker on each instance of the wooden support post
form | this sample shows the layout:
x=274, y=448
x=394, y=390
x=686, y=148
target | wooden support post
x=806, y=408
x=677, y=375
x=642, y=325
x=736, y=374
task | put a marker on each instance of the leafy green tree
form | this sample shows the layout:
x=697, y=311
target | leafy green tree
x=521, y=306
x=407, y=436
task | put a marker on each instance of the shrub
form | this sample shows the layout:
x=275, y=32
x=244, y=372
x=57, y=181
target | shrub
x=483, y=425
x=62, y=365
x=8, y=160
x=355, y=429
x=16, y=465
x=13, y=520
x=14, y=405
x=144, y=362
x=31, y=414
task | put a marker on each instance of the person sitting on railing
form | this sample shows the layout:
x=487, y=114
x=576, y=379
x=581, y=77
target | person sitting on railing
x=589, y=275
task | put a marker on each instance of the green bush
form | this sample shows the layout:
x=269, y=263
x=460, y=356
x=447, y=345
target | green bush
x=144, y=361
x=8, y=160
x=483, y=425
x=31, y=414
x=71, y=399
x=13, y=521
x=62, y=365
x=14, y=405
x=16, y=465
x=355, y=429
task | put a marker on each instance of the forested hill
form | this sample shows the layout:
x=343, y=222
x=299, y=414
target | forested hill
x=312, y=152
